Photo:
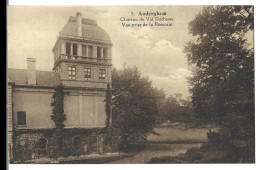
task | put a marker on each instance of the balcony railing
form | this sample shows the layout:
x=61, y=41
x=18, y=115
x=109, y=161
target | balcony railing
x=81, y=58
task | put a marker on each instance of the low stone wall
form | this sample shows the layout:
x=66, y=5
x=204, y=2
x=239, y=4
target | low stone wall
x=30, y=145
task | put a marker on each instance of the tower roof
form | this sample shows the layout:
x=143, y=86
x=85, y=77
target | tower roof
x=90, y=30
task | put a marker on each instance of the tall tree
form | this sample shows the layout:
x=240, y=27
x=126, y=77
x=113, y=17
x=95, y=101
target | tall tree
x=222, y=63
x=134, y=106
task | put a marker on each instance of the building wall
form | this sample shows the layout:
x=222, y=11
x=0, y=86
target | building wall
x=64, y=73
x=80, y=81
x=37, y=105
x=83, y=109
x=10, y=123
x=90, y=141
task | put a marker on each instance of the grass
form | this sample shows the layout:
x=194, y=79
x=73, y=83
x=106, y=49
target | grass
x=181, y=133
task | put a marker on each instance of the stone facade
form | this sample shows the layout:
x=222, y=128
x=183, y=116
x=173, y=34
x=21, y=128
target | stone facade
x=85, y=75
x=38, y=144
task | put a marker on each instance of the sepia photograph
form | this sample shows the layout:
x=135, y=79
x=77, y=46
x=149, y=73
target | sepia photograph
x=124, y=84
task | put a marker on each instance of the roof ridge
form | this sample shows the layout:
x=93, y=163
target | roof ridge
x=35, y=70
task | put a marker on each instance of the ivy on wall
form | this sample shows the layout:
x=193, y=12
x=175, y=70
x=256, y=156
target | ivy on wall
x=108, y=104
x=58, y=116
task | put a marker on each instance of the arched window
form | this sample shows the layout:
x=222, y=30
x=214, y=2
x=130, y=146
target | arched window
x=76, y=140
x=107, y=140
x=42, y=146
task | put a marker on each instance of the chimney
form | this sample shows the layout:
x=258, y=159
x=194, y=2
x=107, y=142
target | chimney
x=79, y=24
x=31, y=72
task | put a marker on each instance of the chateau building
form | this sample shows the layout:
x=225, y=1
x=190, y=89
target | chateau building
x=82, y=64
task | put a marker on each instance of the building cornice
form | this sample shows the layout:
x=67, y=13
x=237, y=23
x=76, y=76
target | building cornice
x=80, y=62
x=65, y=87
x=80, y=39
x=85, y=39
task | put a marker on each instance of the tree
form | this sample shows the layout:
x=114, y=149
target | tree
x=171, y=109
x=134, y=103
x=222, y=63
x=176, y=109
x=161, y=99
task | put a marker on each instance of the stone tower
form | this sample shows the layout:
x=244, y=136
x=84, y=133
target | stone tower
x=82, y=58
x=82, y=54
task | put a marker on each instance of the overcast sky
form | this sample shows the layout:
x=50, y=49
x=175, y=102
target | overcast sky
x=156, y=51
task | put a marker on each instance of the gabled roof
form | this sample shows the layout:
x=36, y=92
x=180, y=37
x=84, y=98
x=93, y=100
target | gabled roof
x=90, y=30
x=43, y=78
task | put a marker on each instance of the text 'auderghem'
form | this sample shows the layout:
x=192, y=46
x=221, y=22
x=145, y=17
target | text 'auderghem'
x=151, y=13
x=146, y=19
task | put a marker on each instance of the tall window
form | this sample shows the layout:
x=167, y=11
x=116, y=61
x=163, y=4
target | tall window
x=75, y=49
x=68, y=45
x=90, y=51
x=84, y=48
x=102, y=73
x=21, y=118
x=104, y=52
x=87, y=73
x=99, y=54
x=72, y=73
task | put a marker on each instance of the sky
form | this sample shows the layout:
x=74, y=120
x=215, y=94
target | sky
x=156, y=51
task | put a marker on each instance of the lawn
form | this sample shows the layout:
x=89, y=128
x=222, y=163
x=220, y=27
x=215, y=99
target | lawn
x=181, y=133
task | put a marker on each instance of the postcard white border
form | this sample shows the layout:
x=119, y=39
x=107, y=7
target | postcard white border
x=152, y=166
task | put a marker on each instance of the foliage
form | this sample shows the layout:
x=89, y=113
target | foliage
x=176, y=109
x=58, y=117
x=108, y=104
x=134, y=106
x=223, y=66
x=222, y=63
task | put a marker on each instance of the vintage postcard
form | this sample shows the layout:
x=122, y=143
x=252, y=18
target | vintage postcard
x=131, y=84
